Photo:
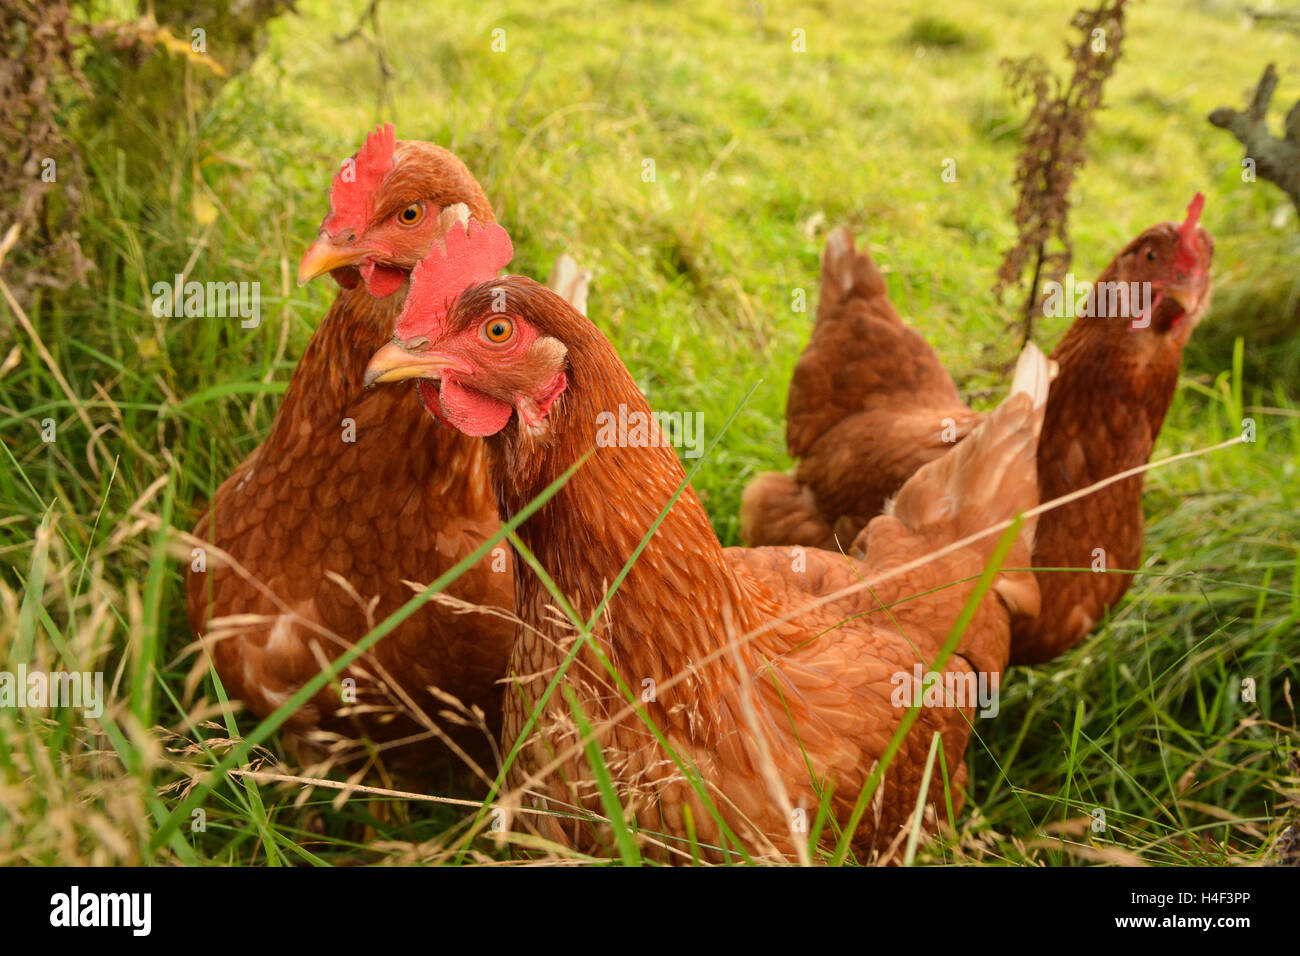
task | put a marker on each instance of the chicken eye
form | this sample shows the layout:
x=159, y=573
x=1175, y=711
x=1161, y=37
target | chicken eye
x=411, y=214
x=498, y=330
x=1151, y=255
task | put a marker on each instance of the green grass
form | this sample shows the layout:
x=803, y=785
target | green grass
x=758, y=151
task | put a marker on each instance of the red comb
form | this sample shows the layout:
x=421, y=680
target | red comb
x=352, y=199
x=474, y=253
x=1187, y=251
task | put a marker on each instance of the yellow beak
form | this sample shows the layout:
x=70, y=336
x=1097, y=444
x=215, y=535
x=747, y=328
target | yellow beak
x=1184, y=296
x=325, y=255
x=394, y=362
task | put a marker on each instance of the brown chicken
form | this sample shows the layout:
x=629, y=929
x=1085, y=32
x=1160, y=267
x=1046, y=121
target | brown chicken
x=807, y=703
x=870, y=403
x=309, y=519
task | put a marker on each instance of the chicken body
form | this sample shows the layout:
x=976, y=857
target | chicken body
x=298, y=574
x=1104, y=414
x=870, y=402
x=803, y=704
x=305, y=519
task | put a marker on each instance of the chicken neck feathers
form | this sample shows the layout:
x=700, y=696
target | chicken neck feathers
x=814, y=691
x=344, y=475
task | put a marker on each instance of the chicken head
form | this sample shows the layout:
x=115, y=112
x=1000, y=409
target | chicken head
x=389, y=204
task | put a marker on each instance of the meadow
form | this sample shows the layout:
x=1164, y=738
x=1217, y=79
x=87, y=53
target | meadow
x=758, y=152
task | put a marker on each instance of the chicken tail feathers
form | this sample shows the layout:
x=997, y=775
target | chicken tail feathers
x=1033, y=376
x=776, y=510
x=570, y=282
x=989, y=478
x=848, y=273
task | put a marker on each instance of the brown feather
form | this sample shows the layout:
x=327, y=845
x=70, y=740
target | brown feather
x=306, y=504
x=806, y=703
x=309, y=522
x=870, y=404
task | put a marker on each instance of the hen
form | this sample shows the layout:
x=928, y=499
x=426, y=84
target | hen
x=808, y=702
x=300, y=568
x=869, y=403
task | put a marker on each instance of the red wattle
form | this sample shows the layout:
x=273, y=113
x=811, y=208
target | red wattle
x=346, y=276
x=428, y=393
x=381, y=281
x=472, y=412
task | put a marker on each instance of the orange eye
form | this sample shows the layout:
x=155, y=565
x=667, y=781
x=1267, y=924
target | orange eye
x=498, y=330
x=411, y=214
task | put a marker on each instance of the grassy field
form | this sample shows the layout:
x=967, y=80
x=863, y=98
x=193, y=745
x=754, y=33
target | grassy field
x=758, y=152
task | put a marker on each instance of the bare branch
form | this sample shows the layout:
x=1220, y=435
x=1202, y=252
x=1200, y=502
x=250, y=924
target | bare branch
x=1277, y=160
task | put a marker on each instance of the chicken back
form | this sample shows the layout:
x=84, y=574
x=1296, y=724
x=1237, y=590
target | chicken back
x=765, y=699
x=870, y=402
